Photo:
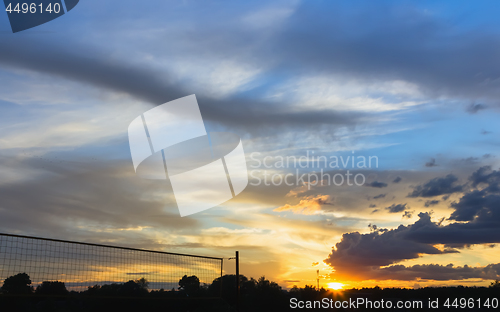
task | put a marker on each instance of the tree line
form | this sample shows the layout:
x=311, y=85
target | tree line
x=255, y=294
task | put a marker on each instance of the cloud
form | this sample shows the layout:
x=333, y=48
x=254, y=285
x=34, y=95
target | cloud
x=487, y=177
x=431, y=163
x=440, y=272
x=437, y=186
x=307, y=205
x=478, y=231
x=379, y=196
x=422, y=39
x=372, y=227
x=155, y=86
x=431, y=203
x=397, y=208
x=470, y=160
x=474, y=108
x=397, y=180
x=363, y=256
x=480, y=205
x=477, y=220
x=376, y=184
x=378, y=248
x=436, y=272
x=477, y=214
x=77, y=199
x=408, y=214
x=319, y=53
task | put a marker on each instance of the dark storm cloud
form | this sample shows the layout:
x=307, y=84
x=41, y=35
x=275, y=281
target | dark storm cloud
x=376, y=184
x=437, y=186
x=397, y=208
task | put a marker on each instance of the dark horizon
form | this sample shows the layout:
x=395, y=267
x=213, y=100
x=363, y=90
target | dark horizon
x=359, y=139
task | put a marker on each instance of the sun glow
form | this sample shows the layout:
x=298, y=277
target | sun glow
x=335, y=286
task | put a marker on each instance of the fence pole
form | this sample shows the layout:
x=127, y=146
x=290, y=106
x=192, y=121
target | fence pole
x=237, y=281
x=221, y=272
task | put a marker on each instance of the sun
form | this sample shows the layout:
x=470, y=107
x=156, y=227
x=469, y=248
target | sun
x=335, y=286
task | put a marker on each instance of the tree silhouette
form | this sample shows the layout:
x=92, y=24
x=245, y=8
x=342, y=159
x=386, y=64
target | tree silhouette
x=143, y=283
x=255, y=295
x=190, y=285
x=132, y=288
x=228, y=287
x=269, y=294
x=129, y=289
x=18, y=284
x=52, y=288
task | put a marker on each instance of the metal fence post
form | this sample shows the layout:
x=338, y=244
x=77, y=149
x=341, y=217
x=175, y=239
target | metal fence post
x=221, y=272
x=237, y=281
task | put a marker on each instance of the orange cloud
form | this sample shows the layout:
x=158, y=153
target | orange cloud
x=309, y=205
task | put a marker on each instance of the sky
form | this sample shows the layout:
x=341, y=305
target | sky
x=411, y=85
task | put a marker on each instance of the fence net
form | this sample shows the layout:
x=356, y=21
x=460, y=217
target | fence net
x=80, y=265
